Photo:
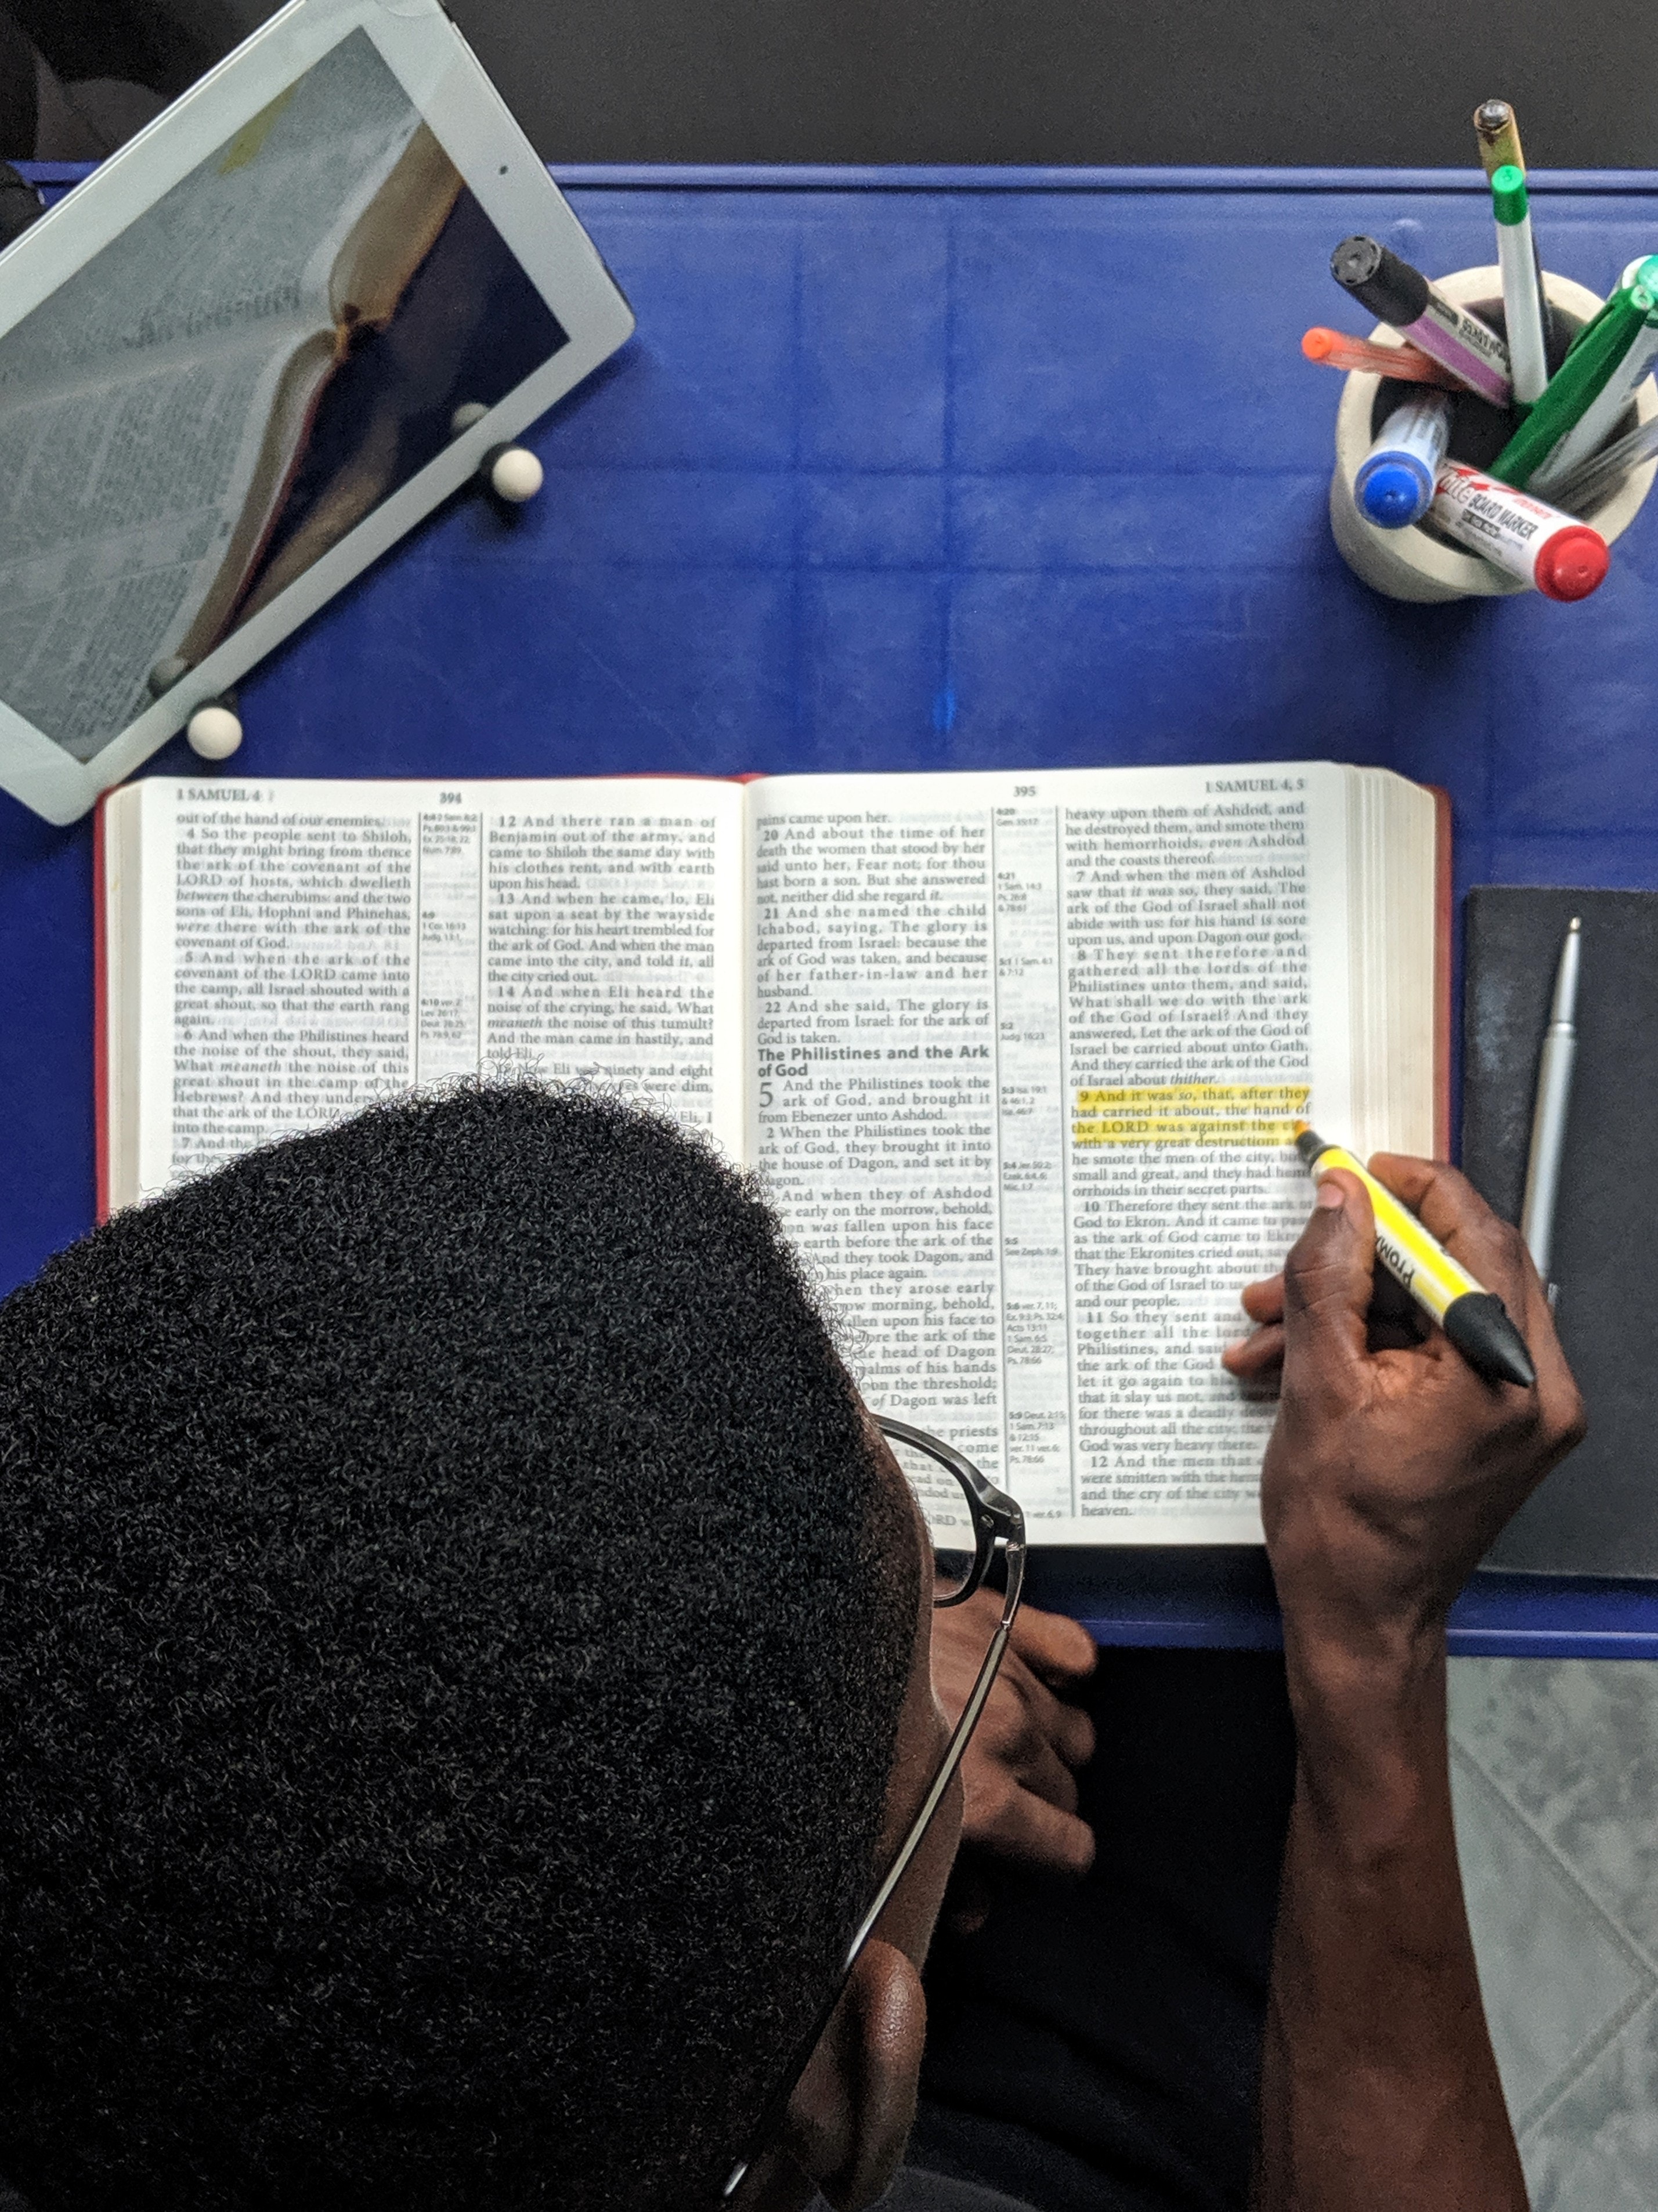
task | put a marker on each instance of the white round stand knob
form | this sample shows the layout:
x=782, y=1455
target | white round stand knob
x=165, y=673
x=515, y=474
x=214, y=732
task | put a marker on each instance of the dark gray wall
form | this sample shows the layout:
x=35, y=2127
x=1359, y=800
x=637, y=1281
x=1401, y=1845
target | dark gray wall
x=1089, y=81
x=1197, y=81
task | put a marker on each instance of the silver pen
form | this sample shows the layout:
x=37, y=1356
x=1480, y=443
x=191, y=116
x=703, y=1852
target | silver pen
x=1601, y=471
x=1548, y=1123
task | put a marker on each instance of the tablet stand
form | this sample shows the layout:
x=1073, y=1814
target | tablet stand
x=215, y=729
x=511, y=472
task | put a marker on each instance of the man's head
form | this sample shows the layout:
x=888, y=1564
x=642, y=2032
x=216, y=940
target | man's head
x=454, y=1633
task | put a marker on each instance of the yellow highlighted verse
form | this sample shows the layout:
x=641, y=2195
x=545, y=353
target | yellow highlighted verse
x=1260, y=1114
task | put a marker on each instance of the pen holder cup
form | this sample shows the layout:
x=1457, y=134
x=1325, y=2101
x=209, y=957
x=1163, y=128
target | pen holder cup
x=1419, y=562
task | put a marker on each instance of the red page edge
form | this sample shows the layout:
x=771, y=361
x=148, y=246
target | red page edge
x=99, y=1012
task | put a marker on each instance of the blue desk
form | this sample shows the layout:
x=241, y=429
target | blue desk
x=927, y=469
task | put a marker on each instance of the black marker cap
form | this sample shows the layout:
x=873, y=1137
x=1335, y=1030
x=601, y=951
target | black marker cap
x=1310, y=1145
x=1393, y=291
x=1477, y=1324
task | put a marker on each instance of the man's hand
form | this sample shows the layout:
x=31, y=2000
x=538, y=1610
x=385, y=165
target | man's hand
x=1019, y=1774
x=1391, y=1469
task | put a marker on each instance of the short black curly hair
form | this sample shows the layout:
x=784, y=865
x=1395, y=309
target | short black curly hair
x=452, y=1629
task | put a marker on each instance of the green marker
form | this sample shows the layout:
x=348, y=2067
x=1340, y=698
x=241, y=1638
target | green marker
x=1522, y=299
x=1599, y=420
x=1642, y=271
x=1596, y=356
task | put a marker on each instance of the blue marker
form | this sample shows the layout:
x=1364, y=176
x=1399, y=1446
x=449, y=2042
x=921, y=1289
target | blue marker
x=1394, y=486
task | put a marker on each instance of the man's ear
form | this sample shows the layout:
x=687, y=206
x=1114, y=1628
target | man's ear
x=851, y=2115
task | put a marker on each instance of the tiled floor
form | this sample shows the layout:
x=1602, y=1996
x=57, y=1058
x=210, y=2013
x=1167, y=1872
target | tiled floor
x=1555, y=1770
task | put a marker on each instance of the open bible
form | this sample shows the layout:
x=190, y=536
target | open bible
x=1018, y=1056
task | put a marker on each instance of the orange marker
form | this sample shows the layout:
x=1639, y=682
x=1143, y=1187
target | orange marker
x=1408, y=363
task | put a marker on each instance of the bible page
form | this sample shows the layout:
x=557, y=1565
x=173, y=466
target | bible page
x=305, y=948
x=1029, y=1052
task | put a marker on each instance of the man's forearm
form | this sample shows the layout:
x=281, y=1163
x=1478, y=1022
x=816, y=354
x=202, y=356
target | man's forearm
x=1391, y=1468
x=1379, y=2091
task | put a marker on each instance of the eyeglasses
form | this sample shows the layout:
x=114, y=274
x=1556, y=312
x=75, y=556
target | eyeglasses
x=970, y=1523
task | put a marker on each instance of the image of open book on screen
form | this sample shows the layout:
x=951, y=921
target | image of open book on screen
x=245, y=355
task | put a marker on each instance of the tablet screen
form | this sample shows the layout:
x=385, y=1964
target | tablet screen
x=214, y=399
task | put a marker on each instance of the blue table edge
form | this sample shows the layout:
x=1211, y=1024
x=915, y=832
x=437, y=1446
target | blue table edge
x=1592, y=1622
x=1221, y=1598
x=923, y=177
x=1498, y=1616
x=1516, y=1640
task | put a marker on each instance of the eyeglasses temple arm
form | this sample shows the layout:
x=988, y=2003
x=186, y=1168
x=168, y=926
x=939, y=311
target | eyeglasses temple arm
x=1011, y=1541
x=953, y=1751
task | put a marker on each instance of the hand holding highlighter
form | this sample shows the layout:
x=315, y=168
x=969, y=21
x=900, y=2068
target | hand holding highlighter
x=1474, y=1319
x=1393, y=1464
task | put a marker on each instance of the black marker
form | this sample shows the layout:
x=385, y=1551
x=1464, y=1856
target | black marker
x=1395, y=292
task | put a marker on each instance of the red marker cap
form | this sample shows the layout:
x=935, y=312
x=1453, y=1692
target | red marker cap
x=1573, y=563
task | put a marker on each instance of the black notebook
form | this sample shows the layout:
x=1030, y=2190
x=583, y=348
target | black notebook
x=1598, y=1512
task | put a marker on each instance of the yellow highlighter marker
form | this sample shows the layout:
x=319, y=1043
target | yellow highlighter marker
x=1475, y=1319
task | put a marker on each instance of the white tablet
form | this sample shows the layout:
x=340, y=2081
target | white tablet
x=253, y=348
